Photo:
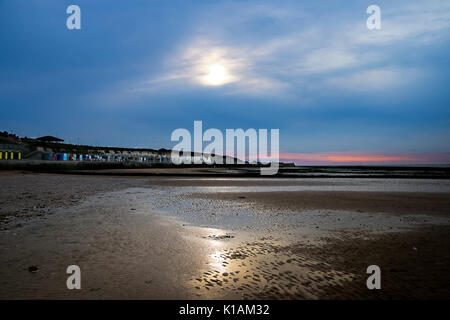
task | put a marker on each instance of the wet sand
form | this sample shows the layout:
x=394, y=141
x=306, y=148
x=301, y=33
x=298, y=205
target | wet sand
x=178, y=238
x=436, y=203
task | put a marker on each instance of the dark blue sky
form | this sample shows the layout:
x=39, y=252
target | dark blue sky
x=137, y=70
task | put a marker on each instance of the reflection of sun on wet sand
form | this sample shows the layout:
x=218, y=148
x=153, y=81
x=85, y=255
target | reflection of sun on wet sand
x=150, y=237
x=261, y=270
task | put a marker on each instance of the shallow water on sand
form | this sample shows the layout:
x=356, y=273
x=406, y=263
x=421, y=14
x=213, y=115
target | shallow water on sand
x=181, y=202
x=323, y=184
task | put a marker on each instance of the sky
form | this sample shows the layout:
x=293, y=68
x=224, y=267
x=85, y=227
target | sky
x=137, y=70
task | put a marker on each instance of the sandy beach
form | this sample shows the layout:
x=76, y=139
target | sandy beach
x=222, y=238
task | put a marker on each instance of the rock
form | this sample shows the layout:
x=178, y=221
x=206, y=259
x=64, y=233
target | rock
x=33, y=269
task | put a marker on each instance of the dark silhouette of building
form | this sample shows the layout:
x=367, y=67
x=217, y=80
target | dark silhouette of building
x=49, y=139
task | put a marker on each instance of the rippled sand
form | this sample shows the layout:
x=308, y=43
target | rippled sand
x=237, y=238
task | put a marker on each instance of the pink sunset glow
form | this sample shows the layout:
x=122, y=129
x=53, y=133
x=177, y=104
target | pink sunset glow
x=361, y=157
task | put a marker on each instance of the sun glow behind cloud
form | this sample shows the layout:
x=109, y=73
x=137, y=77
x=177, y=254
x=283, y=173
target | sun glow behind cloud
x=204, y=63
x=216, y=76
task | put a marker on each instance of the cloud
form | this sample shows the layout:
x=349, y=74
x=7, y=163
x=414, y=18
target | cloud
x=190, y=66
x=376, y=79
x=280, y=55
x=327, y=59
x=420, y=22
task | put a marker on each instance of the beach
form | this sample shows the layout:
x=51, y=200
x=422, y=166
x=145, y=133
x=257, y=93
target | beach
x=181, y=237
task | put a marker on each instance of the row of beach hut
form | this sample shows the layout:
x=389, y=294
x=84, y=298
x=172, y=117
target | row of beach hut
x=149, y=158
x=10, y=155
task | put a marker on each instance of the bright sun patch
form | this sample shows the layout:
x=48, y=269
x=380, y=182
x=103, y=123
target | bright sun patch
x=217, y=75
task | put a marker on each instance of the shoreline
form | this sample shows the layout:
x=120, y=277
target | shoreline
x=226, y=171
